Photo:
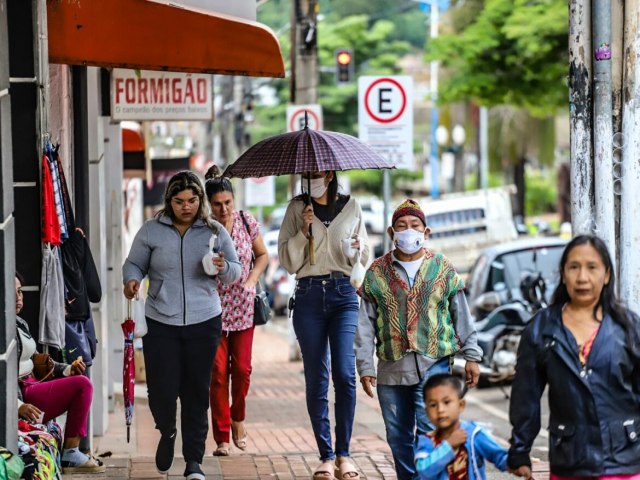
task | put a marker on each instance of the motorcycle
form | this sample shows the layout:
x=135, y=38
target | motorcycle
x=499, y=333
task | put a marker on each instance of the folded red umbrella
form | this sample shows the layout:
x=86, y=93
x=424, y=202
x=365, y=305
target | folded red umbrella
x=129, y=369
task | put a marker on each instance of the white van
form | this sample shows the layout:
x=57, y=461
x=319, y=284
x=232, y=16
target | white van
x=462, y=224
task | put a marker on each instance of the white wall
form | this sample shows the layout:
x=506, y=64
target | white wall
x=97, y=229
x=245, y=9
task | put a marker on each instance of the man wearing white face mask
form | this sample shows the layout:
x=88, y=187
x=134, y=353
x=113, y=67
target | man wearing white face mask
x=415, y=317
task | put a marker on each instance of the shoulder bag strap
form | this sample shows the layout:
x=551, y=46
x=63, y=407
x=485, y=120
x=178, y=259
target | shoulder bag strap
x=246, y=227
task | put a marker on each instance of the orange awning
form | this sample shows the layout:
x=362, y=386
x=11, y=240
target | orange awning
x=155, y=35
x=132, y=139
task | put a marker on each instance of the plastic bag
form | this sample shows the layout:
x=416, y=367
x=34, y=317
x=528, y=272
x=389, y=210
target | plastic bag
x=11, y=465
x=357, y=272
x=137, y=313
x=207, y=260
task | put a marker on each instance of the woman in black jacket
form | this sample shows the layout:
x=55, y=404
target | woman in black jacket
x=585, y=348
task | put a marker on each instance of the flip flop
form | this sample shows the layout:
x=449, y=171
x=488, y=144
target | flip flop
x=223, y=450
x=239, y=442
x=345, y=470
x=324, y=471
x=92, y=465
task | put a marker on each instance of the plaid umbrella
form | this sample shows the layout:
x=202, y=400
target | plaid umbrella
x=303, y=151
x=128, y=371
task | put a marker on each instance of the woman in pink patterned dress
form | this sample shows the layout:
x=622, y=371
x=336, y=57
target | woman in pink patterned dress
x=232, y=366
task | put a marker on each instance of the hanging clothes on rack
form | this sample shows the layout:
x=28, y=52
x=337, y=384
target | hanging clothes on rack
x=52, y=314
x=57, y=191
x=50, y=220
x=66, y=198
x=81, y=280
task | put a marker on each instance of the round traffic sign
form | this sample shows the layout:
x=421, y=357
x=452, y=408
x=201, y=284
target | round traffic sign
x=297, y=118
x=396, y=99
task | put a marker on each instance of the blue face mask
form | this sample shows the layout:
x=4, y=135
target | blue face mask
x=408, y=241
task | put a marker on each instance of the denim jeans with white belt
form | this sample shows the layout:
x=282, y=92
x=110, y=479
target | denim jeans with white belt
x=325, y=318
x=405, y=419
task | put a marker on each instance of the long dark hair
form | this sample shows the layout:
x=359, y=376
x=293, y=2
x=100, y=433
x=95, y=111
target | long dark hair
x=332, y=191
x=608, y=298
x=216, y=183
x=187, y=180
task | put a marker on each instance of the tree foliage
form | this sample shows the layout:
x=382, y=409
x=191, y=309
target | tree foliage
x=374, y=54
x=376, y=51
x=514, y=53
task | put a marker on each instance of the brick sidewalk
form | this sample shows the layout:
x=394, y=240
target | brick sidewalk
x=281, y=444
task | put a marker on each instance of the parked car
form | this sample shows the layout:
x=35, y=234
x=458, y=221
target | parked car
x=271, y=242
x=276, y=217
x=496, y=276
x=464, y=223
x=373, y=214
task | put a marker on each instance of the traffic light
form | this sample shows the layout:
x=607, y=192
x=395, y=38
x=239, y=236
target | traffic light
x=344, y=66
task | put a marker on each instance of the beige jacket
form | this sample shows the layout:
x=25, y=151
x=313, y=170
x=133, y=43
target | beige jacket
x=293, y=246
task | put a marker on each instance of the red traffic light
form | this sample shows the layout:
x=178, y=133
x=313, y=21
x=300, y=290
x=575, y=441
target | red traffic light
x=344, y=58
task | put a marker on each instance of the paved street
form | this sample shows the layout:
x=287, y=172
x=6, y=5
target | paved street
x=281, y=444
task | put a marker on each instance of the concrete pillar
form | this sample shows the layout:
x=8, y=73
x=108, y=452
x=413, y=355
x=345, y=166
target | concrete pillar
x=98, y=229
x=8, y=363
x=113, y=282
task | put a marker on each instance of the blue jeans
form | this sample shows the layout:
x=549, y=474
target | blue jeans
x=325, y=318
x=405, y=419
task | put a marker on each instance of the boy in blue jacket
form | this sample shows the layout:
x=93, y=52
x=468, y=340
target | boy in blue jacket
x=456, y=449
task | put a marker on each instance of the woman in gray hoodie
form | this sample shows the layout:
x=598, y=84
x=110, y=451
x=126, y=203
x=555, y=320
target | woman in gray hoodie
x=183, y=312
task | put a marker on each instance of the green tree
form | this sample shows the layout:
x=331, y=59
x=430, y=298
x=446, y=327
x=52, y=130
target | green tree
x=514, y=53
x=374, y=54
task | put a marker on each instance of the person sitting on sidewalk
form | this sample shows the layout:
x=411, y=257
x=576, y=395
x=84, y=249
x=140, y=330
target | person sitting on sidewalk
x=456, y=448
x=40, y=401
x=415, y=316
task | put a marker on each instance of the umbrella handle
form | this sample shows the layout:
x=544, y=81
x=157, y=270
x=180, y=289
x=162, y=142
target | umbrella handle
x=312, y=250
x=129, y=308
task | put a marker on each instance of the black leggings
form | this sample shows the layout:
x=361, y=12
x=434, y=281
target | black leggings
x=178, y=362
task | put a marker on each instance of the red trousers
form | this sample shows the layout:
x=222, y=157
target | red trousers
x=69, y=394
x=231, y=366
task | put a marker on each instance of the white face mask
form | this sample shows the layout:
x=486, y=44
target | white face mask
x=408, y=241
x=317, y=187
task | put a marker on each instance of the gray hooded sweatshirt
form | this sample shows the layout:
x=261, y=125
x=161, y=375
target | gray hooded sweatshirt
x=180, y=292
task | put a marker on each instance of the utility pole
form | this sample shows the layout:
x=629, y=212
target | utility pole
x=303, y=88
x=603, y=124
x=580, y=116
x=227, y=119
x=435, y=117
x=630, y=175
x=304, y=85
x=483, y=126
x=305, y=63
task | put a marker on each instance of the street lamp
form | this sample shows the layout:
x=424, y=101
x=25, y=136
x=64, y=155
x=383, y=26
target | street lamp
x=458, y=135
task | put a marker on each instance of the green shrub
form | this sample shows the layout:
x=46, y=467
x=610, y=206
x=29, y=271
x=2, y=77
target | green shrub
x=541, y=194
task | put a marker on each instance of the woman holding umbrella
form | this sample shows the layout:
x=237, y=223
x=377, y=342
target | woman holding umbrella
x=183, y=313
x=325, y=316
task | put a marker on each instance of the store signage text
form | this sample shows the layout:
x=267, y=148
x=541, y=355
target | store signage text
x=161, y=96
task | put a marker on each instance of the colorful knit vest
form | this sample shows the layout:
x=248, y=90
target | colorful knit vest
x=416, y=319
